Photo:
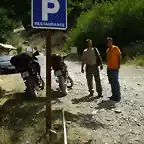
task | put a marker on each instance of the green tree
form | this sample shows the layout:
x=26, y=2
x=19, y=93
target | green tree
x=6, y=25
x=122, y=19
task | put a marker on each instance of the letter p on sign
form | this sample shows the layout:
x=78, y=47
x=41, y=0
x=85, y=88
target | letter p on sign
x=46, y=11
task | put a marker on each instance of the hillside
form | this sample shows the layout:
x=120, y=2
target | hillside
x=38, y=39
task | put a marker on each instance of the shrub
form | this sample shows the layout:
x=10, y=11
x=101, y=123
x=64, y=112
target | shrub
x=2, y=92
x=134, y=49
x=15, y=40
x=123, y=20
x=138, y=60
x=19, y=49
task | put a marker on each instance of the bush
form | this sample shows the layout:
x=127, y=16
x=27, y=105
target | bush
x=123, y=20
x=134, y=50
x=19, y=49
x=138, y=61
x=2, y=92
x=15, y=40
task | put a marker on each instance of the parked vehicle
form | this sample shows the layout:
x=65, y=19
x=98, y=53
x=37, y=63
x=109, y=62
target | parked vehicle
x=35, y=63
x=61, y=72
x=29, y=68
x=33, y=82
x=5, y=65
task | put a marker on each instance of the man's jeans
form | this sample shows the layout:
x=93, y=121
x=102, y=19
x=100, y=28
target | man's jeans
x=113, y=76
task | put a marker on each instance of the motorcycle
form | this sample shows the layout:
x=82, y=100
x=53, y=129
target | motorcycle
x=63, y=78
x=30, y=72
x=39, y=81
x=33, y=82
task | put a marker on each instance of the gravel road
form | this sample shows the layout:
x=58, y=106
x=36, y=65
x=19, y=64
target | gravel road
x=103, y=122
x=98, y=120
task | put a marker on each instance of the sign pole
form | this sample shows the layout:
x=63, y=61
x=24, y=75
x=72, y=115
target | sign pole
x=49, y=17
x=48, y=82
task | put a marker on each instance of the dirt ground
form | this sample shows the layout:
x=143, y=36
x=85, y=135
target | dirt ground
x=89, y=120
x=102, y=123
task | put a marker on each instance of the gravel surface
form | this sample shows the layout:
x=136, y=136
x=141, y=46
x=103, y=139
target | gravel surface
x=99, y=120
x=104, y=122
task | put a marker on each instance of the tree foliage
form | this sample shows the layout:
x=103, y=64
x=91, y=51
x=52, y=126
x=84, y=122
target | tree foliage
x=6, y=25
x=11, y=13
x=20, y=11
x=123, y=20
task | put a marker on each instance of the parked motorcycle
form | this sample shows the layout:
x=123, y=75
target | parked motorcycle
x=63, y=78
x=33, y=82
x=30, y=72
x=39, y=81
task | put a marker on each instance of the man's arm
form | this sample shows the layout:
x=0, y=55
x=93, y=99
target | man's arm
x=82, y=66
x=101, y=62
x=119, y=57
x=83, y=63
x=107, y=55
x=119, y=60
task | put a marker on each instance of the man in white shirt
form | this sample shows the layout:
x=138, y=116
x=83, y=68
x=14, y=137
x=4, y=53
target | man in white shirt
x=90, y=58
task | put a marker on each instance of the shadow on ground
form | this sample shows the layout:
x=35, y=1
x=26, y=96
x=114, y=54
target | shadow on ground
x=27, y=117
x=56, y=94
x=21, y=97
x=22, y=113
x=16, y=115
x=85, y=99
x=84, y=120
x=106, y=104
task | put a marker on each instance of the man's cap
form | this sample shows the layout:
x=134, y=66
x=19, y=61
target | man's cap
x=109, y=38
x=87, y=40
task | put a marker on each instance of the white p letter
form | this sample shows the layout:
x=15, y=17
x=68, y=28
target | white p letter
x=46, y=10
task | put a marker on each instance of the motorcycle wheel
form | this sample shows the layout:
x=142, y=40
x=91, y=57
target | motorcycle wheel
x=69, y=82
x=41, y=83
x=62, y=85
x=30, y=90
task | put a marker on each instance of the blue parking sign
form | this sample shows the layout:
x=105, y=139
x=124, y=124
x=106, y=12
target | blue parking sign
x=49, y=14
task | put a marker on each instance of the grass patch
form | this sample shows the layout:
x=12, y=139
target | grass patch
x=19, y=123
x=138, y=61
x=24, y=122
x=134, y=54
x=55, y=51
x=2, y=92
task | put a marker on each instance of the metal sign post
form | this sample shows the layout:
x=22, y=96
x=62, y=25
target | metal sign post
x=48, y=81
x=49, y=14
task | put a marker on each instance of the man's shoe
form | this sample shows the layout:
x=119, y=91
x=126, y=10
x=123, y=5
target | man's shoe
x=111, y=98
x=100, y=95
x=91, y=94
x=115, y=100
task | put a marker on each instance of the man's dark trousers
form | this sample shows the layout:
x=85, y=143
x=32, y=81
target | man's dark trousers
x=93, y=71
x=113, y=77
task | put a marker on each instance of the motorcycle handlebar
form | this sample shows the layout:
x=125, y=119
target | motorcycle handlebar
x=35, y=54
x=65, y=56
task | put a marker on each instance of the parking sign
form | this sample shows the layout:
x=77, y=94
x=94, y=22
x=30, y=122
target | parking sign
x=49, y=14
